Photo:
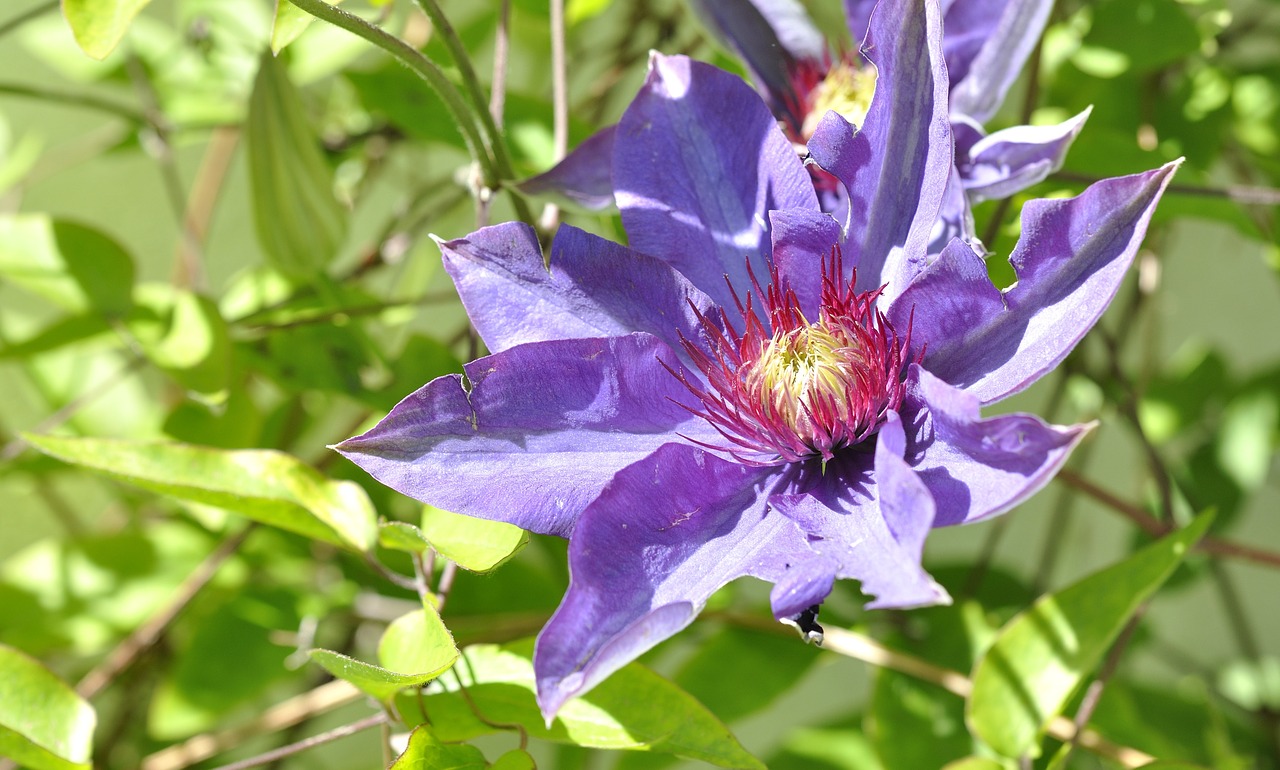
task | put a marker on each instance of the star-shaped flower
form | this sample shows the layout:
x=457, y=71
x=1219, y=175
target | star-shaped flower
x=747, y=389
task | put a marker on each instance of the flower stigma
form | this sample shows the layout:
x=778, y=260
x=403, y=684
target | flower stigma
x=789, y=389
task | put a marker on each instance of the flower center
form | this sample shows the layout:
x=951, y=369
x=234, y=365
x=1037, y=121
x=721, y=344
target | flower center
x=847, y=89
x=792, y=389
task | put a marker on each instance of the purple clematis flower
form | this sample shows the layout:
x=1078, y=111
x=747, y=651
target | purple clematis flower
x=985, y=44
x=744, y=390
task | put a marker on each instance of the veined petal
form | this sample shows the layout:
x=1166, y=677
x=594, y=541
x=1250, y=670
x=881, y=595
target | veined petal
x=698, y=163
x=802, y=239
x=665, y=534
x=594, y=288
x=583, y=178
x=770, y=37
x=897, y=165
x=1011, y=160
x=843, y=510
x=987, y=43
x=537, y=434
x=1070, y=261
x=857, y=14
x=976, y=468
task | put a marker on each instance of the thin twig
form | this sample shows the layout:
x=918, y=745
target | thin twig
x=560, y=105
x=188, y=270
x=1093, y=694
x=89, y=101
x=1237, y=193
x=309, y=743
x=194, y=750
x=26, y=16
x=1152, y=526
x=71, y=408
x=391, y=576
x=861, y=647
x=146, y=635
x=445, y=584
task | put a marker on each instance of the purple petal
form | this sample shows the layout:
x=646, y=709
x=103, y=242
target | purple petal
x=955, y=220
x=857, y=14
x=583, y=178
x=802, y=239
x=594, y=288
x=844, y=511
x=976, y=468
x=535, y=432
x=1070, y=261
x=1011, y=160
x=662, y=537
x=897, y=166
x=770, y=37
x=699, y=162
x=986, y=45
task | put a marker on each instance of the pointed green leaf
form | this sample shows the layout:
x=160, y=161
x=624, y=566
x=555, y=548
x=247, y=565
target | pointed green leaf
x=402, y=536
x=44, y=725
x=300, y=224
x=1043, y=654
x=74, y=266
x=479, y=545
x=415, y=649
x=98, y=25
x=267, y=486
x=632, y=709
x=418, y=642
x=424, y=752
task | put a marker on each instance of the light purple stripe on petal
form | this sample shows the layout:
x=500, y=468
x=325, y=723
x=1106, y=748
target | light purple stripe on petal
x=897, y=166
x=802, y=239
x=1070, y=261
x=1012, y=160
x=665, y=534
x=583, y=179
x=536, y=432
x=974, y=468
x=594, y=288
x=698, y=163
x=987, y=43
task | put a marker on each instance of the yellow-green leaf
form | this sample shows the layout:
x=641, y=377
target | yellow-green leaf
x=415, y=649
x=424, y=752
x=267, y=486
x=44, y=725
x=479, y=545
x=98, y=25
x=290, y=22
x=1043, y=654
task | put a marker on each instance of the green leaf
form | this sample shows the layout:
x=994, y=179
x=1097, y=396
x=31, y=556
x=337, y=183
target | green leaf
x=300, y=224
x=402, y=536
x=827, y=748
x=516, y=759
x=44, y=725
x=424, y=752
x=479, y=545
x=776, y=662
x=185, y=335
x=267, y=486
x=418, y=642
x=415, y=649
x=974, y=763
x=1041, y=656
x=74, y=266
x=98, y=25
x=632, y=709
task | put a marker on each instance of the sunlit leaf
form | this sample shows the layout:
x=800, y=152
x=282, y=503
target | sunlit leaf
x=632, y=709
x=479, y=545
x=44, y=725
x=1041, y=656
x=415, y=649
x=184, y=335
x=98, y=25
x=300, y=224
x=515, y=759
x=975, y=763
x=424, y=752
x=74, y=266
x=267, y=486
x=402, y=536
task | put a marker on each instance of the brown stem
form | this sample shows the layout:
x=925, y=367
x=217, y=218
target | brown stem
x=309, y=743
x=146, y=635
